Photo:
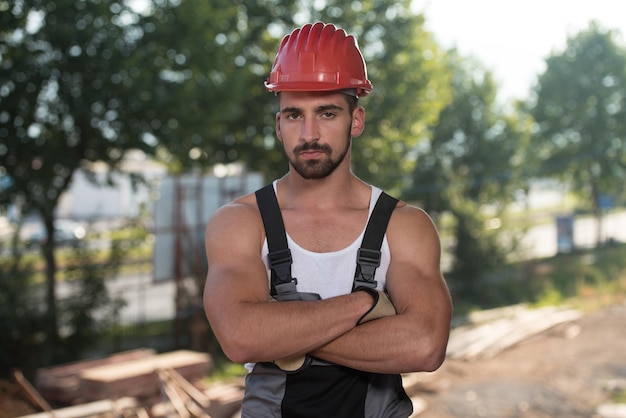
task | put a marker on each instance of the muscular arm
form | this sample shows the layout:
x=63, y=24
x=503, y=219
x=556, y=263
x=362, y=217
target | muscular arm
x=416, y=338
x=248, y=327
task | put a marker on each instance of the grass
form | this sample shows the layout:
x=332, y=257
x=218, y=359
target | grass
x=226, y=371
x=618, y=396
x=136, y=246
x=587, y=278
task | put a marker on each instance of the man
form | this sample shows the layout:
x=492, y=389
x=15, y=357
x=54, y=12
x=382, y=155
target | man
x=340, y=353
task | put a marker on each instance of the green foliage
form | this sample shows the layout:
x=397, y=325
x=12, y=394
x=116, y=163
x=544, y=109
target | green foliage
x=90, y=309
x=550, y=296
x=21, y=317
x=70, y=94
x=471, y=168
x=580, y=110
x=618, y=396
x=23, y=312
x=211, y=106
x=587, y=279
x=227, y=371
x=73, y=92
x=474, y=145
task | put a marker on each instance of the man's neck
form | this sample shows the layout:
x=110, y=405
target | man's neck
x=331, y=191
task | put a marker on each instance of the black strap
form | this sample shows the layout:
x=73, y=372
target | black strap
x=279, y=256
x=368, y=256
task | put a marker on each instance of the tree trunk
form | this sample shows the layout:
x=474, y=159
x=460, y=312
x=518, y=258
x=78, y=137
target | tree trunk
x=52, y=334
x=597, y=212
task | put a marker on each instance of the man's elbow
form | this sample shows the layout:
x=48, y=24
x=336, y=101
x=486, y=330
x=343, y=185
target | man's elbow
x=433, y=359
x=234, y=340
x=429, y=355
x=238, y=350
x=236, y=356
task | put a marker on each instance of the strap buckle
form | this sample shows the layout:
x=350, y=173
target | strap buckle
x=280, y=263
x=367, y=262
x=284, y=286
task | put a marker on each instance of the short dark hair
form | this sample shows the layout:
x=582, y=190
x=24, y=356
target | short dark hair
x=353, y=102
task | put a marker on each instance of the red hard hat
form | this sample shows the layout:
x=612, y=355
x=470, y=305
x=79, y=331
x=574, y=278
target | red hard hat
x=319, y=57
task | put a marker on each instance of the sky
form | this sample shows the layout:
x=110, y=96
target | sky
x=512, y=38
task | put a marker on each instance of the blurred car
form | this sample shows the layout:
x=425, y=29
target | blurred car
x=66, y=233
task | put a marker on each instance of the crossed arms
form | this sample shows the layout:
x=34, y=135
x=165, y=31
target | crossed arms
x=251, y=329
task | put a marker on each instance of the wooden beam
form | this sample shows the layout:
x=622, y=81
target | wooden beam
x=30, y=391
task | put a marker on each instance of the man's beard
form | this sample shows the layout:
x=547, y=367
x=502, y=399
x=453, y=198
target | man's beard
x=319, y=168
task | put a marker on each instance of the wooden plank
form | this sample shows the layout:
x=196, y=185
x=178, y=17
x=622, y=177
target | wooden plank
x=89, y=409
x=31, y=392
x=61, y=383
x=176, y=401
x=139, y=378
x=486, y=340
x=225, y=399
x=193, y=392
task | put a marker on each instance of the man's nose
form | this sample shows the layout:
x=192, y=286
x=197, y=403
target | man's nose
x=310, y=130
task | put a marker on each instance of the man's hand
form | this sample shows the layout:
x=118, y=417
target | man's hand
x=381, y=307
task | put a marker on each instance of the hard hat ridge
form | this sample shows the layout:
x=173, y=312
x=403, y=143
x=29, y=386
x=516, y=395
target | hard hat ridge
x=319, y=57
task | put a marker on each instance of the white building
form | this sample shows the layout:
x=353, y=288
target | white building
x=85, y=200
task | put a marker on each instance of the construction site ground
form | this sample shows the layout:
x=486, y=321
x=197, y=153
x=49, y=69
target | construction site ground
x=573, y=370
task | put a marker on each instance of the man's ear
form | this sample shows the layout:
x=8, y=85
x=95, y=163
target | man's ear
x=279, y=135
x=358, y=122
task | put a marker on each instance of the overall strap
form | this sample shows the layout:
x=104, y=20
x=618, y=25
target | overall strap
x=368, y=256
x=279, y=257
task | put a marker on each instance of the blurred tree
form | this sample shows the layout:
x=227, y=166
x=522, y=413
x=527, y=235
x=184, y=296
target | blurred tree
x=580, y=110
x=23, y=322
x=70, y=94
x=471, y=169
x=218, y=107
x=22, y=318
x=213, y=58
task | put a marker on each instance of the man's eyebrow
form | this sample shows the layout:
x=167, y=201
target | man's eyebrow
x=324, y=108
x=290, y=109
x=319, y=109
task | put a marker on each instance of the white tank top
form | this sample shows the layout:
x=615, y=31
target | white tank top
x=332, y=273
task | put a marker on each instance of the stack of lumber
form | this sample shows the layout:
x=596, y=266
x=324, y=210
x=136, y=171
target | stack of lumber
x=123, y=407
x=61, y=384
x=183, y=398
x=140, y=378
x=489, y=333
x=132, y=386
x=226, y=399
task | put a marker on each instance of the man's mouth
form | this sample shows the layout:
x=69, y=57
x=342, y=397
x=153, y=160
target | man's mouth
x=312, y=153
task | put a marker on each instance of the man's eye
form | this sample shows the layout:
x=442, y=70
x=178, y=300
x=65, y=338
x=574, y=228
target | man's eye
x=293, y=116
x=328, y=115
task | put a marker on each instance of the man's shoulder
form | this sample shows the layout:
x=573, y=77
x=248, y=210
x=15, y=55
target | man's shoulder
x=246, y=200
x=237, y=223
x=406, y=218
x=243, y=209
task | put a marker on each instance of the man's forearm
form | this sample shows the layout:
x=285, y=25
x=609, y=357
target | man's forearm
x=386, y=345
x=266, y=331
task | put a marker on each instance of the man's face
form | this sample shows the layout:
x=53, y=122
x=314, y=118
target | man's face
x=316, y=129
